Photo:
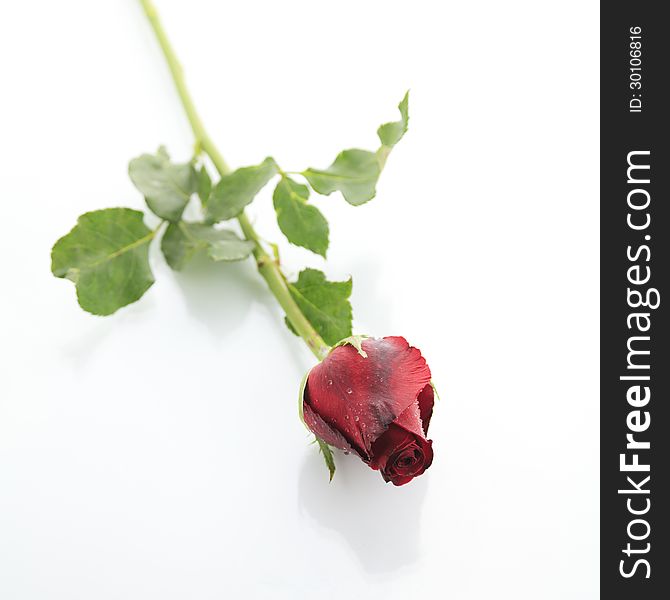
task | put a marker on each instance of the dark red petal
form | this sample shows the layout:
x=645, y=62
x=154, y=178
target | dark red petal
x=408, y=461
x=331, y=436
x=419, y=450
x=360, y=397
x=399, y=476
x=410, y=420
x=391, y=442
x=405, y=430
x=426, y=402
x=401, y=480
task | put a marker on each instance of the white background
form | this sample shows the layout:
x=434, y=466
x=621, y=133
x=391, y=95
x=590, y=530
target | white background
x=157, y=454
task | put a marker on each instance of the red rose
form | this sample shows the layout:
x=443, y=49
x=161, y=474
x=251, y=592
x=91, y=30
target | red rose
x=378, y=405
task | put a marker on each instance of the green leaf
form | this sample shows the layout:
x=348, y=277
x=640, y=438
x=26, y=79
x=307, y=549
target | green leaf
x=166, y=186
x=302, y=224
x=391, y=133
x=233, y=192
x=327, y=456
x=229, y=247
x=354, y=173
x=177, y=247
x=204, y=185
x=106, y=255
x=324, y=303
x=301, y=398
x=183, y=240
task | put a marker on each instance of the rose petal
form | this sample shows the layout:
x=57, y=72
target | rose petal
x=391, y=472
x=394, y=440
x=408, y=462
x=410, y=420
x=401, y=480
x=360, y=397
x=395, y=444
x=319, y=427
x=426, y=401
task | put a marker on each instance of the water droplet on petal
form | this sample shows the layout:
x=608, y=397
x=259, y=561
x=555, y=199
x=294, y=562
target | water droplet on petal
x=349, y=390
x=330, y=382
x=356, y=418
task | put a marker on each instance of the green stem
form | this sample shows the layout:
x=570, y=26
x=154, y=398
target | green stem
x=267, y=267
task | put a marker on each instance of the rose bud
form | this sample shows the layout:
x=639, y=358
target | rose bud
x=374, y=398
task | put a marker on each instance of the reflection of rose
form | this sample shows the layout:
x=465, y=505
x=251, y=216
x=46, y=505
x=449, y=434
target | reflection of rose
x=378, y=406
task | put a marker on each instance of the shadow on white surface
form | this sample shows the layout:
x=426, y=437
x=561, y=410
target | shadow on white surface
x=82, y=347
x=220, y=295
x=379, y=522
